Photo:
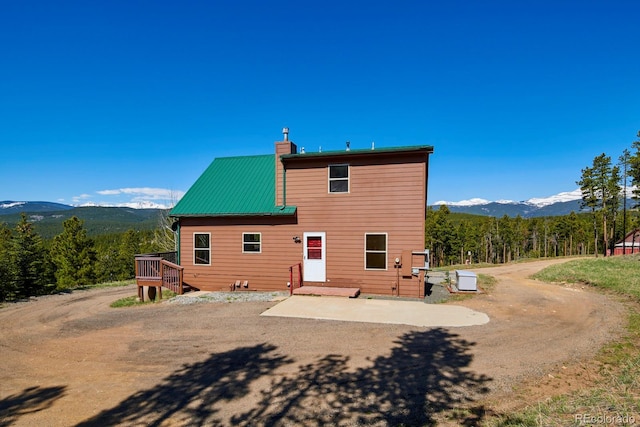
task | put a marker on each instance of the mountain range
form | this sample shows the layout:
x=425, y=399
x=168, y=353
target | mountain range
x=48, y=217
x=556, y=205
x=524, y=209
x=9, y=207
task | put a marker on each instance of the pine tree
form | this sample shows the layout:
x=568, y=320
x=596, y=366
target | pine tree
x=6, y=273
x=129, y=247
x=634, y=170
x=107, y=265
x=634, y=173
x=439, y=235
x=600, y=186
x=74, y=256
x=28, y=260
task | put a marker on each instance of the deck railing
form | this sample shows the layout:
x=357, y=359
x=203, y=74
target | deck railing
x=292, y=283
x=156, y=270
x=148, y=269
x=172, y=276
x=168, y=256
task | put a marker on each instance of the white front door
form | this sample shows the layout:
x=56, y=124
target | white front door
x=314, y=257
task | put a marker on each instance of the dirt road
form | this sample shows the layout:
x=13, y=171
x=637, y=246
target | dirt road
x=72, y=360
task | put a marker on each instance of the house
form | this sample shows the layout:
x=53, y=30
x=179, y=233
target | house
x=630, y=244
x=349, y=218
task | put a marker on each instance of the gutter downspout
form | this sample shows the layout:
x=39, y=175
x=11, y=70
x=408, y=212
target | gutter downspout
x=178, y=245
x=284, y=185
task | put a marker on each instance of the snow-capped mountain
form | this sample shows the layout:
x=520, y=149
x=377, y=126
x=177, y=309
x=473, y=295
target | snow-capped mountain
x=143, y=204
x=558, y=204
x=11, y=207
x=567, y=196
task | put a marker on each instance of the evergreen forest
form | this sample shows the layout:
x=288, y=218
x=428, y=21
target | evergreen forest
x=31, y=265
x=605, y=186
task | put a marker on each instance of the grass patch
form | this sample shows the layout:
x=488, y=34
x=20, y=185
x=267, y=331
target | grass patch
x=128, y=302
x=133, y=301
x=620, y=274
x=486, y=282
x=616, y=397
x=116, y=284
x=616, y=393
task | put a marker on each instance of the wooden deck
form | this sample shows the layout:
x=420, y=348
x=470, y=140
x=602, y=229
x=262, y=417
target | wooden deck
x=327, y=291
x=154, y=271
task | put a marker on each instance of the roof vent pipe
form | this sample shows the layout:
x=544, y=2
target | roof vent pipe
x=348, y=145
x=285, y=131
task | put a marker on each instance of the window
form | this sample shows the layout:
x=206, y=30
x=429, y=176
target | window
x=202, y=248
x=314, y=247
x=375, y=251
x=338, y=178
x=251, y=242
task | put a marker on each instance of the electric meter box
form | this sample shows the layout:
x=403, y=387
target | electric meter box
x=466, y=280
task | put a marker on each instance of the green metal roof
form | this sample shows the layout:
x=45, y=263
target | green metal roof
x=360, y=152
x=234, y=186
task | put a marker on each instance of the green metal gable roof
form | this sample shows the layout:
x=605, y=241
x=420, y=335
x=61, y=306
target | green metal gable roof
x=234, y=186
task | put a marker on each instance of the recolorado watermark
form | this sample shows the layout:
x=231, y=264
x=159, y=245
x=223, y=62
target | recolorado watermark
x=605, y=419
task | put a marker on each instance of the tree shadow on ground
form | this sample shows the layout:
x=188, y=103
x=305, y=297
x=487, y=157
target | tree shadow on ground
x=189, y=394
x=426, y=374
x=32, y=399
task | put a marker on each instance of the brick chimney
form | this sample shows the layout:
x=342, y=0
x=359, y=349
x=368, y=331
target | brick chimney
x=282, y=147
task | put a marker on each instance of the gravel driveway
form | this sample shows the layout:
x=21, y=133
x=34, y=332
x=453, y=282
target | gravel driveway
x=73, y=360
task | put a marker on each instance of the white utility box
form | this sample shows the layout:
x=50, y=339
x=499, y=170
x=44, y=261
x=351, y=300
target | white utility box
x=466, y=280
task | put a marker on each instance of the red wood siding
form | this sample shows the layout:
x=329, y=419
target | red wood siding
x=628, y=250
x=268, y=270
x=383, y=198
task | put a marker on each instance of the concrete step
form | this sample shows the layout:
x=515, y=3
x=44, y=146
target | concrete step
x=327, y=291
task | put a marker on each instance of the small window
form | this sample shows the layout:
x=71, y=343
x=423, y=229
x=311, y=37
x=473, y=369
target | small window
x=202, y=248
x=338, y=178
x=314, y=247
x=375, y=251
x=251, y=242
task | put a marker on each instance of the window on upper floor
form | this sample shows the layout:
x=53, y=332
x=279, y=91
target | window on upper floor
x=375, y=251
x=338, y=178
x=202, y=248
x=251, y=242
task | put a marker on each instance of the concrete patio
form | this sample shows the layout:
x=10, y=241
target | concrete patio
x=415, y=313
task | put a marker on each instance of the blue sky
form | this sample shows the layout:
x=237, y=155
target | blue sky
x=129, y=101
